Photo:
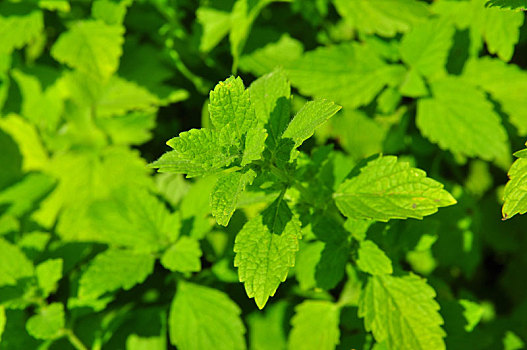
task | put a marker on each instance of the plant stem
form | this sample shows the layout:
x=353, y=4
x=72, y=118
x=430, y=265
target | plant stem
x=74, y=340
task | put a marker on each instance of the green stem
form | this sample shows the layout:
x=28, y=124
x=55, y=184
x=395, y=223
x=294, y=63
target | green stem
x=74, y=340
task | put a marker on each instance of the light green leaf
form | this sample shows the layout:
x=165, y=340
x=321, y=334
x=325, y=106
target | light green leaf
x=48, y=274
x=506, y=83
x=373, y=260
x=515, y=193
x=197, y=152
x=17, y=31
x=20, y=198
x=402, y=311
x=48, y=323
x=425, y=48
x=55, y=5
x=216, y=25
x=309, y=117
x=266, y=328
x=135, y=342
x=460, y=119
x=254, y=144
x=283, y=52
x=349, y=74
x=114, y=269
x=14, y=265
x=205, y=318
x=183, y=256
x=315, y=326
x=265, y=250
x=389, y=189
x=413, y=85
x=383, y=17
x=111, y=12
x=512, y=342
x=90, y=46
x=473, y=312
x=226, y=192
x=2, y=321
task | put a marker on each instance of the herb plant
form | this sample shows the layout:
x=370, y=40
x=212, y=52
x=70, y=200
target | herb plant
x=343, y=186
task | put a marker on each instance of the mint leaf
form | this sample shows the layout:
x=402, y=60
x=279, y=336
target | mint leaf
x=425, y=48
x=47, y=323
x=14, y=265
x=372, y=260
x=265, y=250
x=266, y=328
x=48, y=274
x=114, y=269
x=460, y=119
x=509, y=4
x=18, y=30
x=402, y=312
x=2, y=321
x=226, y=193
x=390, y=189
x=311, y=115
x=216, y=25
x=383, y=17
x=307, y=334
x=515, y=193
x=183, y=256
x=204, y=318
x=90, y=46
x=109, y=11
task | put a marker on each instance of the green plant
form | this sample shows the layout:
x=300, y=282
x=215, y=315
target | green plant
x=347, y=195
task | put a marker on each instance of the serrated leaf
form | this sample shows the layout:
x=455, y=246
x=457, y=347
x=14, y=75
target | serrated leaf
x=254, y=144
x=515, y=193
x=309, y=117
x=183, y=256
x=460, y=119
x=349, y=74
x=265, y=250
x=90, y=46
x=506, y=83
x=390, y=189
x=402, y=312
x=371, y=259
x=226, y=192
x=315, y=326
x=114, y=269
x=47, y=323
x=197, y=152
x=509, y=4
x=48, y=274
x=425, y=48
x=383, y=17
x=204, y=318
x=14, y=265
x=18, y=30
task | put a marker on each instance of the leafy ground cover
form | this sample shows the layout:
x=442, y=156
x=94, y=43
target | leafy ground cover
x=259, y=174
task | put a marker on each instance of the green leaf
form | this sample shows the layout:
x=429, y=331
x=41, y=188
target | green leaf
x=473, y=312
x=512, y=342
x=204, y=318
x=311, y=116
x=509, y=4
x=264, y=60
x=134, y=342
x=114, y=269
x=315, y=326
x=48, y=274
x=2, y=321
x=349, y=74
x=109, y=11
x=265, y=250
x=14, y=265
x=226, y=193
x=198, y=152
x=460, y=119
x=383, y=17
x=371, y=259
x=425, y=48
x=266, y=328
x=48, y=323
x=216, y=25
x=21, y=197
x=515, y=193
x=389, y=189
x=17, y=31
x=506, y=83
x=183, y=256
x=402, y=311
x=90, y=46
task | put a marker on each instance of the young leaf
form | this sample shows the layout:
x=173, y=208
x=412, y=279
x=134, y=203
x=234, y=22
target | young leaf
x=373, y=260
x=183, y=256
x=47, y=323
x=388, y=189
x=204, y=318
x=265, y=250
x=460, y=119
x=93, y=47
x=114, y=269
x=48, y=274
x=226, y=192
x=515, y=194
x=312, y=115
x=402, y=312
x=315, y=326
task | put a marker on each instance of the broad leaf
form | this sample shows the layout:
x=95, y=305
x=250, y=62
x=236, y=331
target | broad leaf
x=226, y=192
x=183, y=256
x=14, y=265
x=373, y=260
x=48, y=323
